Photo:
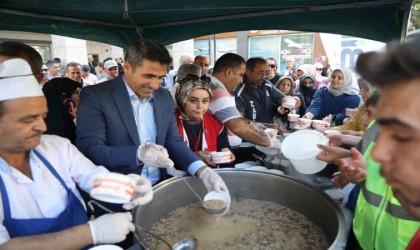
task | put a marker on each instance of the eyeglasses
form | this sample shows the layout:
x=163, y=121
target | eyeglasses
x=44, y=69
x=261, y=73
x=272, y=66
x=320, y=69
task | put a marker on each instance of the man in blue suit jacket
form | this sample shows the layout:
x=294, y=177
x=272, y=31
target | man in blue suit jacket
x=116, y=118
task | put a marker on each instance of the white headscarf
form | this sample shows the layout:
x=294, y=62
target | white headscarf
x=17, y=80
x=346, y=88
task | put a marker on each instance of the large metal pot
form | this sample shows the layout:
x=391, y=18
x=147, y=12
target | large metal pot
x=298, y=195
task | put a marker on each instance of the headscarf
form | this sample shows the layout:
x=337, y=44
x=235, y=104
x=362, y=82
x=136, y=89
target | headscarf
x=291, y=81
x=307, y=92
x=348, y=81
x=184, y=90
x=61, y=87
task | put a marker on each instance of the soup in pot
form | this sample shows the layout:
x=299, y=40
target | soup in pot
x=250, y=224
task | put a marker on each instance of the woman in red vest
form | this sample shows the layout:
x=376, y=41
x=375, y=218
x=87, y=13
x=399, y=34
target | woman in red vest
x=198, y=129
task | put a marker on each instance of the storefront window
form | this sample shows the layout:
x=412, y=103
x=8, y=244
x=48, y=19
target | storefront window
x=44, y=51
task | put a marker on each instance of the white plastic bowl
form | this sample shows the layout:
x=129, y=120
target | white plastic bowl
x=257, y=168
x=106, y=247
x=242, y=166
x=300, y=148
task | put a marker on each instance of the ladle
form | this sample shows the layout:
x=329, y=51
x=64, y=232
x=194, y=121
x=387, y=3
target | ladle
x=185, y=244
x=207, y=209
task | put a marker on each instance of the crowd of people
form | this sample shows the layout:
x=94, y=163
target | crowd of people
x=62, y=126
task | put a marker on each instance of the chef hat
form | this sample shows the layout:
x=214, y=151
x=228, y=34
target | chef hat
x=17, y=80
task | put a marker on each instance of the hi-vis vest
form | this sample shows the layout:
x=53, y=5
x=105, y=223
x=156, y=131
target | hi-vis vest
x=380, y=222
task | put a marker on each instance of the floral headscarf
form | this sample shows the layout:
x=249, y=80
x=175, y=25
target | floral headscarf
x=346, y=89
x=184, y=90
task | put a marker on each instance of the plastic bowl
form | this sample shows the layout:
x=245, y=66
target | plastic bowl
x=113, y=188
x=301, y=149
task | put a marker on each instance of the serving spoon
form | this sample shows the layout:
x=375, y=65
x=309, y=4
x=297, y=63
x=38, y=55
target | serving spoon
x=185, y=244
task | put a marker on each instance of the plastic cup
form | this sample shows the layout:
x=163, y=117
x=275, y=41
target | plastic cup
x=271, y=132
x=112, y=188
x=289, y=102
x=319, y=124
x=305, y=123
x=301, y=149
x=220, y=157
x=293, y=117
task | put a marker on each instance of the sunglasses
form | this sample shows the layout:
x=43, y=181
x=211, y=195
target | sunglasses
x=318, y=68
x=272, y=66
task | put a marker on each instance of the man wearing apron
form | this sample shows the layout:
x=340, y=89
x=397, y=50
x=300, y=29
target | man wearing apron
x=38, y=176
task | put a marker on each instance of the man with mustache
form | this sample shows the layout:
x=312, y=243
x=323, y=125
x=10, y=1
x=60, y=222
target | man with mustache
x=41, y=208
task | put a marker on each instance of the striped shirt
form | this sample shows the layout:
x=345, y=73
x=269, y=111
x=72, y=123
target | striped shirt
x=222, y=105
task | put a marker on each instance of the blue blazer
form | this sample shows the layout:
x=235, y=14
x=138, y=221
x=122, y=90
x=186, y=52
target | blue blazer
x=107, y=132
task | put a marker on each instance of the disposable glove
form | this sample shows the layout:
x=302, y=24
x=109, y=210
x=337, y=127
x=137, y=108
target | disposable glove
x=111, y=228
x=308, y=115
x=273, y=149
x=212, y=181
x=258, y=126
x=143, y=192
x=154, y=155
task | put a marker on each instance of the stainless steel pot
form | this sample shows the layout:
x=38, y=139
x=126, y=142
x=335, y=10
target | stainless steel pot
x=298, y=195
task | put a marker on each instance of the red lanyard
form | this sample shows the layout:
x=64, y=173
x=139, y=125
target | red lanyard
x=192, y=138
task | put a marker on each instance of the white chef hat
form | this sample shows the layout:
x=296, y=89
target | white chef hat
x=17, y=80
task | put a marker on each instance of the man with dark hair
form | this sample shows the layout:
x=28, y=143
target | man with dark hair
x=62, y=70
x=257, y=100
x=397, y=73
x=88, y=77
x=74, y=72
x=272, y=76
x=20, y=50
x=203, y=62
x=228, y=73
x=128, y=124
x=53, y=69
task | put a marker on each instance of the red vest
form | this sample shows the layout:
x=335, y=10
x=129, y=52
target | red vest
x=212, y=129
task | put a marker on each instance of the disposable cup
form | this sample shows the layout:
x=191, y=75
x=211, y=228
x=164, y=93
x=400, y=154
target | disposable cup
x=271, y=132
x=305, y=123
x=289, y=102
x=220, y=157
x=293, y=124
x=301, y=149
x=319, y=124
x=293, y=117
x=112, y=188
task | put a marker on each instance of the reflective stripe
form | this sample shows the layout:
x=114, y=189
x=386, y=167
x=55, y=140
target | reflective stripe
x=395, y=210
x=370, y=197
x=398, y=212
